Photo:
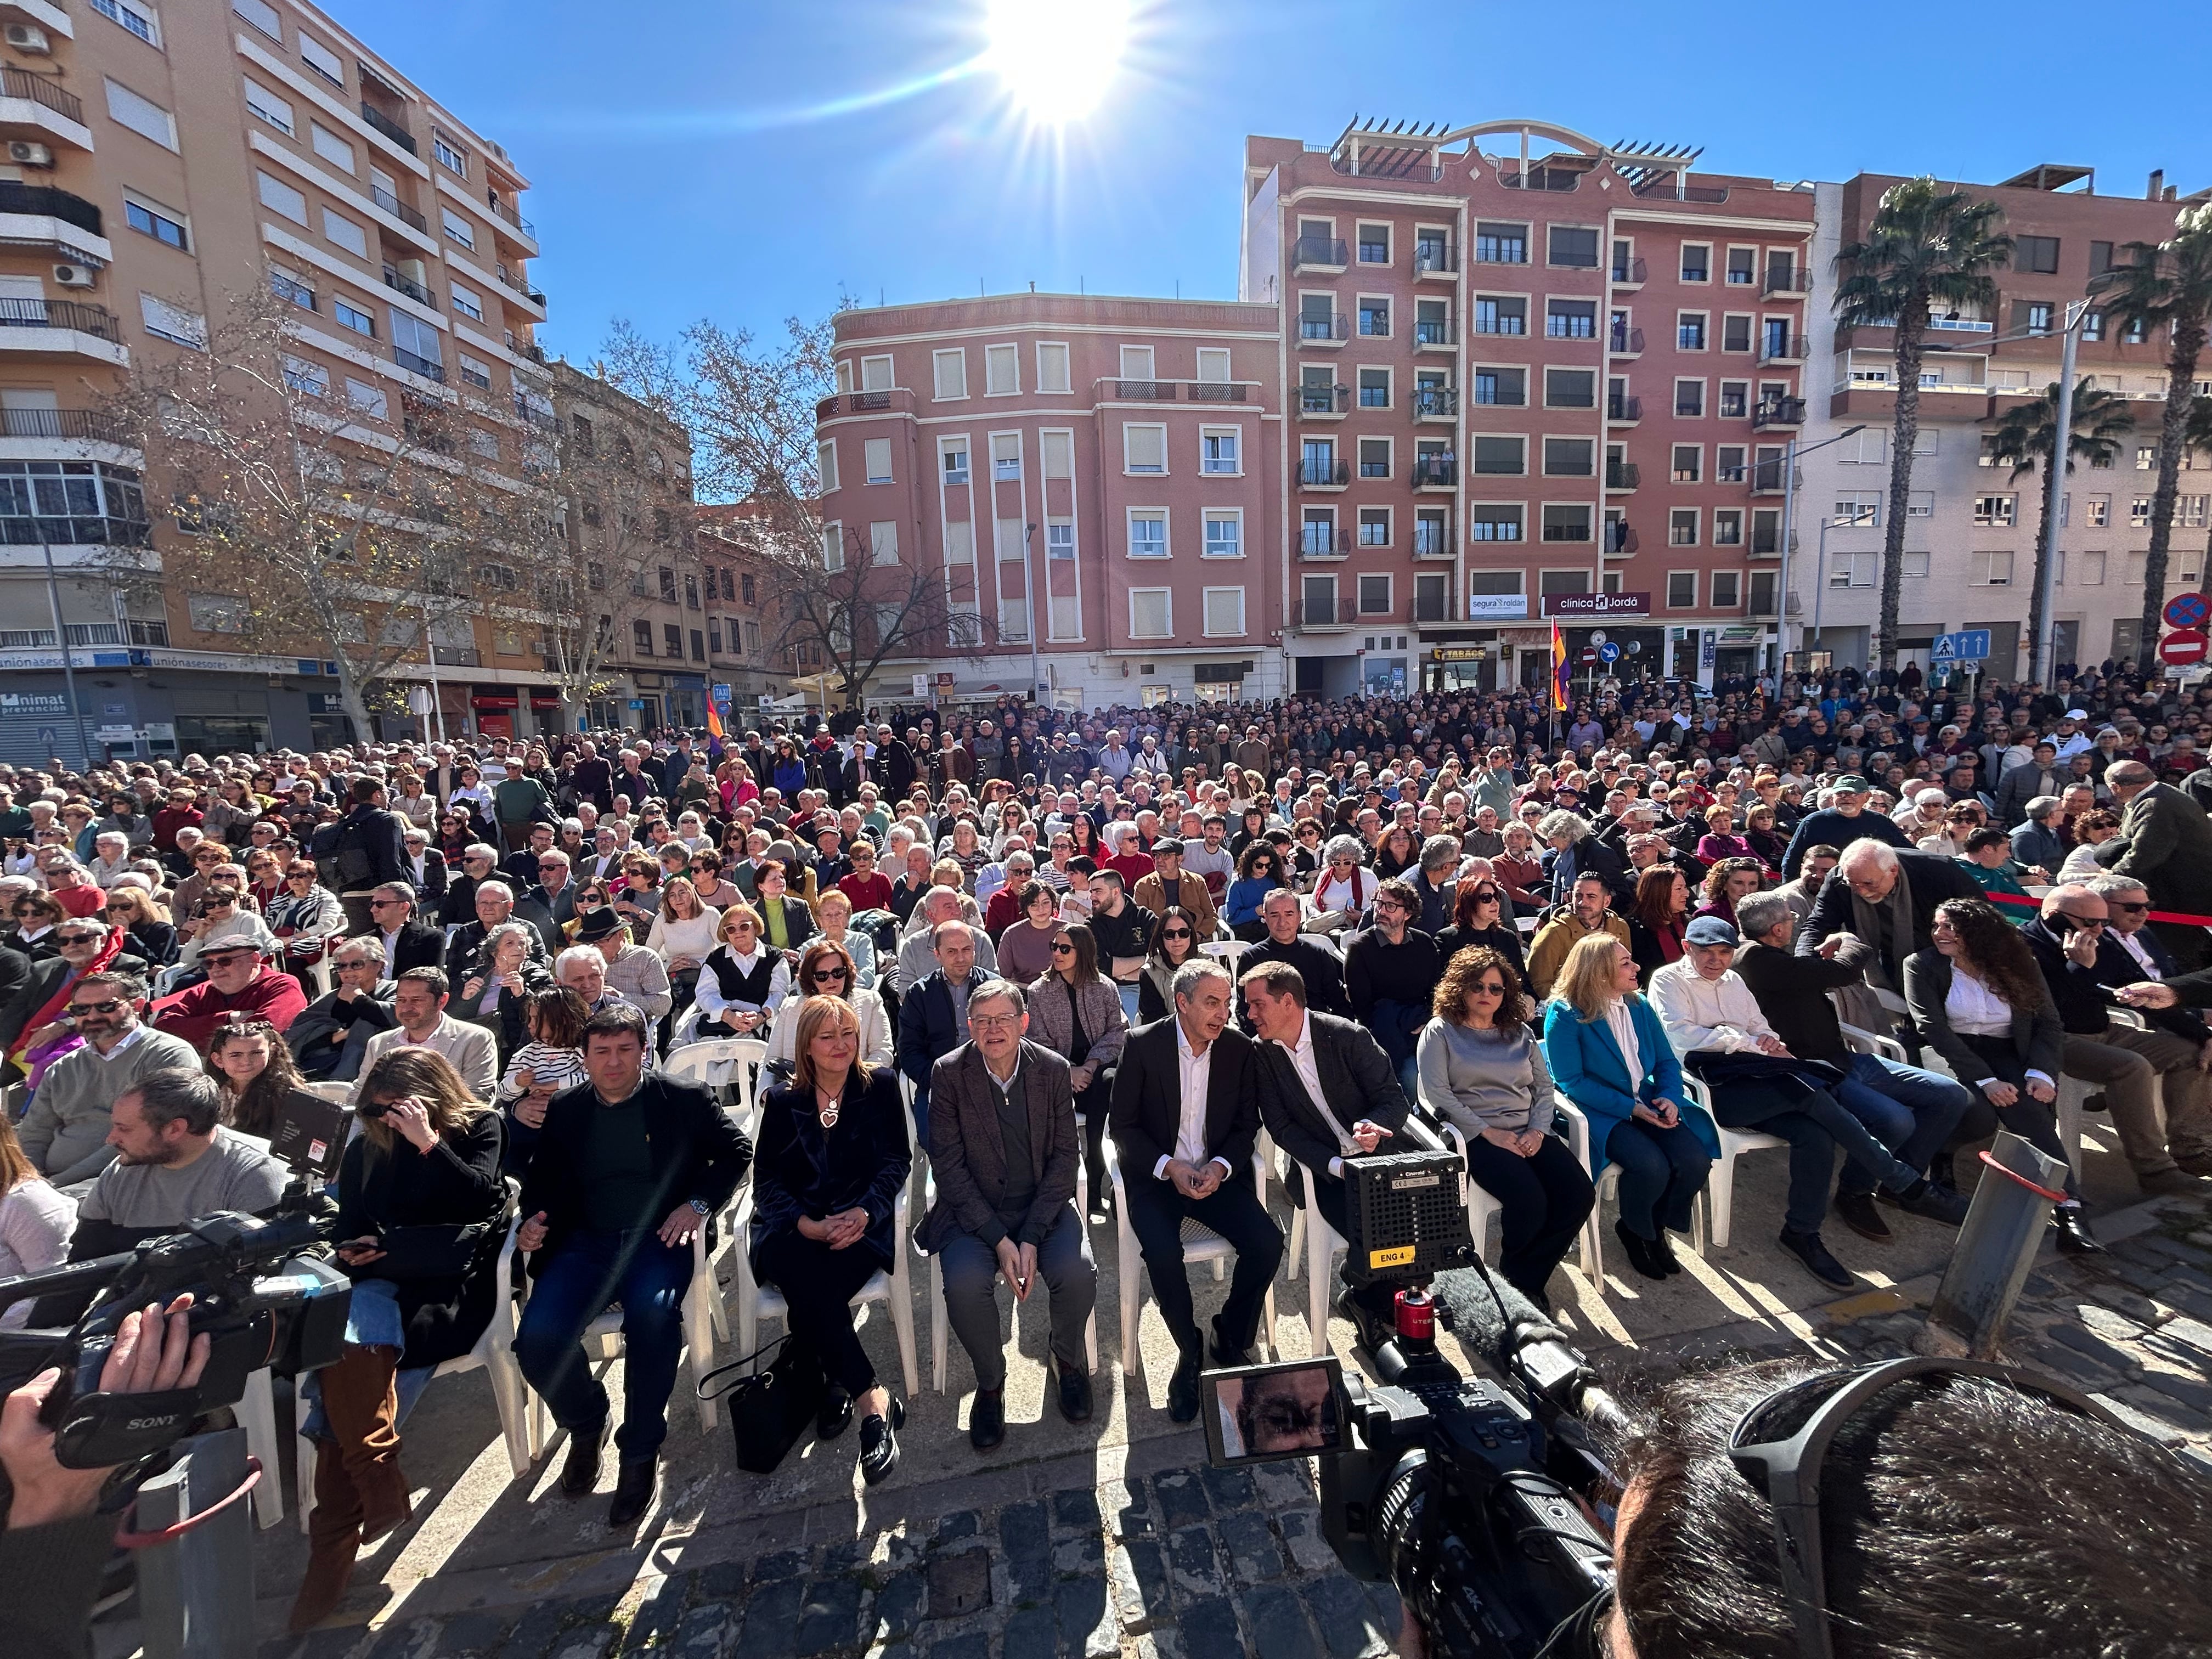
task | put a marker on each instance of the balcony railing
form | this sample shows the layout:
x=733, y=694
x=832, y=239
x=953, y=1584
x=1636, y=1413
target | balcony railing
x=44, y=199
x=380, y=122
x=504, y=210
x=1619, y=538
x=87, y=531
x=1435, y=472
x=1431, y=541
x=1795, y=280
x=1435, y=331
x=1324, y=399
x=1435, y=259
x=1624, y=408
x=398, y=209
x=1542, y=178
x=413, y=290
x=1780, y=411
x=1309, y=251
x=22, y=84
x=1784, y=348
x=93, y=425
x=429, y=367
x=455, y=656
x=1767, y=478
x=1628, y=273
x=1622, y=475
x=1324, y=474
x=1503, y=323
x=1431, y=607
x=1216, y=392
x=1149, y=391
x=543, y=420
x=1317, y=329
x=95, y=320
x=1337, y=613
x=1667, y=187
x=1625, y=341
x=1435, y=402
x=1318, y=541
x=522, y=347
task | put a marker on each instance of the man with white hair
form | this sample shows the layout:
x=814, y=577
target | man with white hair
x=917, y=954
x=1887, y=898
x=2169, y=850
x=583, y=969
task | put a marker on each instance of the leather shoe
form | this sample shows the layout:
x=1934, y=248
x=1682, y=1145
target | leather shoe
x=1074, y=1393
x=1224, y=1354
x=835, y=1415
x=579, y=1472
x=1856, y=1211
x=1182, y=1389
x=1662, y=1253
x=986, y=1419
x=2073, y=1231
x=1933, y=1203
x=2197, y=1164
x=1808, y=1249
x=634, y=1483
x=2170, y=1183
x=1639, y=1249
x=879, y=1447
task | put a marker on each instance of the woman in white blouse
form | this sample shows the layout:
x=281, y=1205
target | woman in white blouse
x=826, y=969
x=36, y=1221
x=742, y=983
x=1346, y=887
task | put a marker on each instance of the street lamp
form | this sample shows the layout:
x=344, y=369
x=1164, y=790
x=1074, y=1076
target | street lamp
x=1029, y=591
x=1790, y=456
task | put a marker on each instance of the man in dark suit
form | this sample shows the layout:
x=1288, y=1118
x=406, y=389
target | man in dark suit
x=1314, y=1069
x=894, y=765
x=1005, y=1150
x=629, y=1166
x=1320, y=969
x=2169, y=851
x=1887, y=898
x=933, y=1013
x=425, y=867
x=2179, y=1043
x=1186, y=1115
x=520, y=866
x=407, y=942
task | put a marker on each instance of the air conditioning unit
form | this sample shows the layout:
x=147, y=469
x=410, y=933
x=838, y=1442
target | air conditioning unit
x=70, y=276
x=25, y=153
x=415, y=271
x=27, y=37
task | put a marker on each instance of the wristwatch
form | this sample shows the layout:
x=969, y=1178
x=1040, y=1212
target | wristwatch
x=699, y=1205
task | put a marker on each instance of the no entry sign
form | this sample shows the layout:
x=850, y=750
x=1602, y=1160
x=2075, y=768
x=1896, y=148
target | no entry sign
x=2183, y=647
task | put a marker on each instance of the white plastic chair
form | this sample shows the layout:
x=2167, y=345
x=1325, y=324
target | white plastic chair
x=1482, y=1208
x=494, y=1353
x=1321, y=1243
x=1199, y=1244
x=1720, y=1185
x=733, y=1062
x=324, y=975
x=1592, y=1251
x=338, y=1093
x=256, y=1412
x=1229, y=951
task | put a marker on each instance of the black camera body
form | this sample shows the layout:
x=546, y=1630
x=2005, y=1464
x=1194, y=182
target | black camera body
x=263, y=1291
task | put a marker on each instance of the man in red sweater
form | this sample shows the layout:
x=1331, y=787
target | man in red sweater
x=237, y=983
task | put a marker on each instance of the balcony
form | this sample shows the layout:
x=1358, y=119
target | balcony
x=506, y=214
x=414, y=290
x=1621, y=477
x=1435, y=259
x=1436, y=403
x=1435, y=334
x=86, y=530
x=1325, y=475
x=1430, y=608
x=1318, y=253
x=1435, y=472
x=1319, y=619
x=398, y=209
x=44, y=201
x=861, y=402
x=455, y=656
x=1625, y=343
x=1778, y=415
x=1324, y=331
x=1319, y=541
x=522, y=347
x=429, y=367
x=380, y=122
x=1620, y=539
x=1324, y=402
x=1767, y=478
x=84, y=425
x=15, y=83
x=1432, y=541
x=1783, y=349
x=1146, y=391
x=545, y=421
x=1216, y=391
x=1628, y=274
x=1542, y=178
x=63, y=327
x=1794, y=283
x=1621, y=409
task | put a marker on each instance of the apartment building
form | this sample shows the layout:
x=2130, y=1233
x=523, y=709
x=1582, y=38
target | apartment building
x=159, y=158
x=1971, y=529
x=1122, y=455
x=1530, y=377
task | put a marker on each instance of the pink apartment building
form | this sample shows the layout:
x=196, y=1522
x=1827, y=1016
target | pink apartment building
x=1123, y=454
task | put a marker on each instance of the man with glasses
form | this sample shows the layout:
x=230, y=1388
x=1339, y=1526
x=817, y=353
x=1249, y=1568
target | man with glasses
x=2179, y=1045
x=493, y=903
x=65, y=1134
x=1005, y=1150
x=1390, y=970
x=237, y=981
x=331, y=1036
x=2068, y=939
x=1887, y=898
x=406, y=942
x=520, y=866
x=552, y=894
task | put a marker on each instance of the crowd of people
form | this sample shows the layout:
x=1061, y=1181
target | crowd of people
x=1034, y=950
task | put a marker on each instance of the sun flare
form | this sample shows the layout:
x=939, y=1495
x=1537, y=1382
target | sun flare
x=1056, y=59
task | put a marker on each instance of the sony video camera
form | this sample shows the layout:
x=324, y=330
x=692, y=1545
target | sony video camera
x=1474, y=1495
x=264, y=1290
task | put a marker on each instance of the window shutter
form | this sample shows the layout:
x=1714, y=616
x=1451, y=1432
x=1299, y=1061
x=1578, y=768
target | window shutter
x=1148, y=448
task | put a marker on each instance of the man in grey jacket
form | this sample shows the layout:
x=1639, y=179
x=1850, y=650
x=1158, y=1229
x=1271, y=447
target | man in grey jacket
x=2169, y=851
x=65, y=1134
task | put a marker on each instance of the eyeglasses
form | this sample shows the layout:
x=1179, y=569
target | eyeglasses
x=1485, y=895
x=301, y=875
x=1177, y=933
x=822, y=975
x=2084, y=922
x=361, y=962
x=2131, y=909
x=108, y=1007
x=1489, y=987
x=77, y=938
x=387, y=903
x=994, y=1022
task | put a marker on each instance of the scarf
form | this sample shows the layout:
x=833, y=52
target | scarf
x=110, y=948
x=1888, y=969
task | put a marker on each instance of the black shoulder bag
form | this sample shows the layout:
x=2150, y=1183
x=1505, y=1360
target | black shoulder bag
x=769, y=1409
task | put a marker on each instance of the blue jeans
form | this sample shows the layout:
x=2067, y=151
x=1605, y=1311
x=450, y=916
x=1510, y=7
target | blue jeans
x=1813, y=1125
x=1911, y=1112
x=372, y=1321
x=1662, y=1173
x=591, y=1272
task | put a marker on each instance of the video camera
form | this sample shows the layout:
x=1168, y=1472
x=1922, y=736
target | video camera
x=1474, y=1497
x=264, y=1290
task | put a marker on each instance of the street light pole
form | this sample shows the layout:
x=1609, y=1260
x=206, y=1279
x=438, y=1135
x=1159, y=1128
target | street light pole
x=1029, y=591
x=2042, y=657
x=1790, y=456
x=69, y=667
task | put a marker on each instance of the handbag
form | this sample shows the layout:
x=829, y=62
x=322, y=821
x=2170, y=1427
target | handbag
x=769, y=1409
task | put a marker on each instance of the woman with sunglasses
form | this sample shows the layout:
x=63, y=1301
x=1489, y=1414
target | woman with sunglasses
x=264, y=881
x=742, y=983
x=1174, y=942
x=1479, y=918
x=1303, y=861
x=1346, y=888
x=145, y=922
x=826, y=969
x=1258, y=873
x=1076, y=1012
x=309, y=919
x=222, y=915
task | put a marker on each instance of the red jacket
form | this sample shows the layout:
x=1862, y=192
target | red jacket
x=192, y=1013
x=169, y=820
x=81, y=901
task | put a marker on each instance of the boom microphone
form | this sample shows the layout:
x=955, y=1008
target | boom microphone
x=1493, y=1320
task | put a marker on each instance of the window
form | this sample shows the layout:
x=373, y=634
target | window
x=1148, y=532
x=1735, y=402
x=1569, y=458
x=1567, y=521
x=1374, y=596
x=458, y=228
x=1375, y=527
x=1494, y=523
x=1690, y=331
x=1218, y=451
x=1214, y=365
x=1994, y=509
x=1060, y=539
x=882, y=542
x=215, y=613
x=2139, y=512
x=1498, y=314
x=1571, y=388
x=1317, y=532
x=1374, y=245
x=1992, y=570
x=142, y=115
x=321, y=59
x=1735, y=333
x=672, y=635
x=366, y=399
x=262, y=15
x=1727, y=463
x=1728, y=527
x=1500, y=244
x=1507, y=387
x=1697, y=262
x=1002, y=371
x=1006, y=456
x=328, y=145
x=876, y=374
x=950, y=373
x=1224, y=612
x=449, y=155
x=1375, y=318
x=1689, y=398
x=1570, y=319
x=483, y=443
x=344, y=232
x=1921, y=503
x=2135, y=333
x=280, y=197
x=1374, y=388
x=875, y=453
x=353, y=317
x=1743, y=266
x=951, y=460
x=1682, y=590
x=2092, y=326
x=1058, y=450
x=1857, y=510
x=2097, y=512
x=2037, y=253
x=169, y=322
x=2089, y=570
x=1373, y=458
x=1501, y=456
x=1225, y=535
x=310, y=380
x=1052, y=367
x=1432, y=533
x=266, y=103
x=2145, y=457
x=1143, y=448
x=1688, y=463
x=1682, y=527
x=1726, y=590
x=1151, y=613
x=2034, y=316
x=160, y=223
x=285, y=286
x=1573, y=246
x=475, y=372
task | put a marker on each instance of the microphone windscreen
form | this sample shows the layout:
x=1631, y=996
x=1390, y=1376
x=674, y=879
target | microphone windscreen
x=1475, y=1316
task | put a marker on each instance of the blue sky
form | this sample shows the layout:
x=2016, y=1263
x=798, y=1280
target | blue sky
x=746, y=162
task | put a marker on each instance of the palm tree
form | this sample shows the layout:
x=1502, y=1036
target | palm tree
x=2025, y=436
x=2166, y=285
x=1926, y=247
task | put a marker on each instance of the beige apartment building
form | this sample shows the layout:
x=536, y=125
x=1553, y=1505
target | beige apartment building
x=159, y=159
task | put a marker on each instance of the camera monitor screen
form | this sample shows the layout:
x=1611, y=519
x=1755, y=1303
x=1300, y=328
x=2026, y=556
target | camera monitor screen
x=1262, y=1413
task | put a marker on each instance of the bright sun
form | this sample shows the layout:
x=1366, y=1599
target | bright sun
x=1056, y=58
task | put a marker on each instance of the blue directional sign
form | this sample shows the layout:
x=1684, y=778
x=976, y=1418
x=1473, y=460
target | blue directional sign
x=1968, y=645
x=1610, y=651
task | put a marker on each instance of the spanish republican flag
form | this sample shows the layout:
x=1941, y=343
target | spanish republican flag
x=713, y=720
x=1562, y=673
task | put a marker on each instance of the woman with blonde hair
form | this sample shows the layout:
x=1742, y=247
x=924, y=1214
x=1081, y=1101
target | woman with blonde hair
x=1609, y=1055
x=37, y=1221
x=742, y=983
x=420, y=1200
x=826, y=969
x=145, y=922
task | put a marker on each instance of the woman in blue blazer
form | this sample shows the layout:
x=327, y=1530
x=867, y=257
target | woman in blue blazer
x=1636, y=1121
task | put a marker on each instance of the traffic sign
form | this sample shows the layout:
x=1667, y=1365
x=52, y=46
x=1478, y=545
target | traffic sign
x=1597, y=637
x=1609, y=651
x=2184, y=645
x=1589, y=653
x=2187, y=610
x=1968, y=645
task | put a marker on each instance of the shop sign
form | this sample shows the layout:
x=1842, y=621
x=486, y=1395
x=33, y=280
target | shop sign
x=1481, y=607
x=1597, y=604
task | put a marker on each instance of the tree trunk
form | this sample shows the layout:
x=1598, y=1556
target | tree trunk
x=1905, y=431
x=355, y=703
x=2173, y=440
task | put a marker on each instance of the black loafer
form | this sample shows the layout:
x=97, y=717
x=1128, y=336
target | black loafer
x=579, y=1472
x=634, y=1483
x=879, y=1447
x=2073, y=1231
x=1662, y=1254
x=1856, y=1211
x=1074, y=1393
x=1808, y=1249
x=986, y=1419
x=1182, y=1390
x=835, y=1415
x=1224, y=1354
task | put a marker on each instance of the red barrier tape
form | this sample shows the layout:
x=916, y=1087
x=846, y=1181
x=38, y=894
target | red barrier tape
x=2039, y=1190
x=130, y=1540
x=2155, y=915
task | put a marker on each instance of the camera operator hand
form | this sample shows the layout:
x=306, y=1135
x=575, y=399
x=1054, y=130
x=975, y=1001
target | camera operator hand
x=154, y=1351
